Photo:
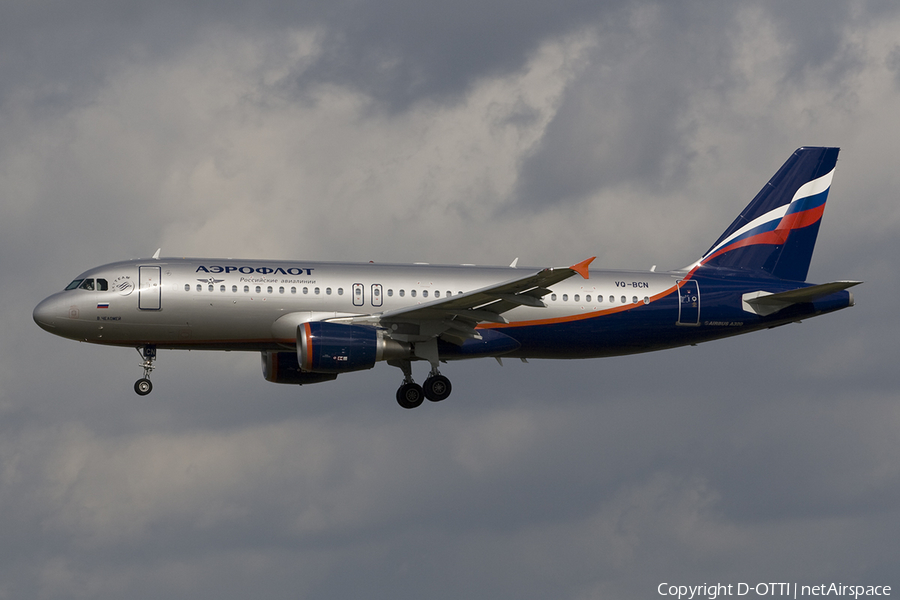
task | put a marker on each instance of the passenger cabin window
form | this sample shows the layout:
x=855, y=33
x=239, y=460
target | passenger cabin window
x=187, y=287
x=246, y=289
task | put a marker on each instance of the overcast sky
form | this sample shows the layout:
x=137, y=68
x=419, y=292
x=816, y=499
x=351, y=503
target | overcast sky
x=454, y=132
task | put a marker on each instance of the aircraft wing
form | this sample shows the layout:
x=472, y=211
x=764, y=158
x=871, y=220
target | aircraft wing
x=454, y=319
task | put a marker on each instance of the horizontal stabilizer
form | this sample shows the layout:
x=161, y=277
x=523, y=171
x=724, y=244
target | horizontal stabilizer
x=765, y=303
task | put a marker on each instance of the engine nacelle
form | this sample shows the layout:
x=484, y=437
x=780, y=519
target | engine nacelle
x=282, y=367
x=324, y=347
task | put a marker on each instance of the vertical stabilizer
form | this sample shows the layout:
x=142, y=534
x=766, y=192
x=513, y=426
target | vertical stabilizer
x=776, y=234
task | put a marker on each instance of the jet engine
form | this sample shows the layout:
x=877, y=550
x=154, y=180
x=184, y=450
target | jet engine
x=282, y=367
x=324, y=347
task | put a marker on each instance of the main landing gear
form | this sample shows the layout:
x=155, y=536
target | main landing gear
x=143, y=386
x=411, y=395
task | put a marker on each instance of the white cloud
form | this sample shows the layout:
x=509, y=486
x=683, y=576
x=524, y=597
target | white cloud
x=219, y=154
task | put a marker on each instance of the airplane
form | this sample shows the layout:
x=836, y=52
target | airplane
x=312, y=321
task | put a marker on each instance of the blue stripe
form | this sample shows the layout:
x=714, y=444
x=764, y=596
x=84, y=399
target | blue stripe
x=764, y=228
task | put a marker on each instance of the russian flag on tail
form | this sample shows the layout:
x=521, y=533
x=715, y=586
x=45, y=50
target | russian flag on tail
x=776, y=233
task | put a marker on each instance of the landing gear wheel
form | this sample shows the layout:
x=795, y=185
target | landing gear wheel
x=410, y=395
x=148, y=353
x=437, y=388
x=143, y=387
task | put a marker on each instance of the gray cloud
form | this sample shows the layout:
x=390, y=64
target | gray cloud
x=397, y=52
x=632, y=117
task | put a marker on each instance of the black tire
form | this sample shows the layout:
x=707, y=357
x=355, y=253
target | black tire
x=437, y=388
x=143, y=387
x=410, y=395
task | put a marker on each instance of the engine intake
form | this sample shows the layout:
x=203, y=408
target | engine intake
x=324, y=347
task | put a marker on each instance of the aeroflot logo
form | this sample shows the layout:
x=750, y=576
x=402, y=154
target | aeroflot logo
x=249, y=270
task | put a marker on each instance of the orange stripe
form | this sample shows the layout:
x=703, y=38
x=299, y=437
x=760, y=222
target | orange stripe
x=581, y=317
x=802, y=219
x=308, y=347
x=779, y=236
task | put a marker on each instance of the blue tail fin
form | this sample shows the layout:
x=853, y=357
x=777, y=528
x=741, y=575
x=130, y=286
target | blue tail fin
x=776, y=234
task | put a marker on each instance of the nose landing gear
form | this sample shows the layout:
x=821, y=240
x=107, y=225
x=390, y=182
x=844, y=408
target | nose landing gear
x=143, y=386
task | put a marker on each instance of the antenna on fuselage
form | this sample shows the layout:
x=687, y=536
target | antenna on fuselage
x=156, y=254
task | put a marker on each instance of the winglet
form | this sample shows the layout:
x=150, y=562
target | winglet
x=582, y=267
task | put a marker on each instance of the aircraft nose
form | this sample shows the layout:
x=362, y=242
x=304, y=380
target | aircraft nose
x=46, y=314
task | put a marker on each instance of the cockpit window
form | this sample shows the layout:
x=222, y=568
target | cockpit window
x=89, y=284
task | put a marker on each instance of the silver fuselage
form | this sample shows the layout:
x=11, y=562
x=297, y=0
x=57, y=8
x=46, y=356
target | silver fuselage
x=237, y=304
